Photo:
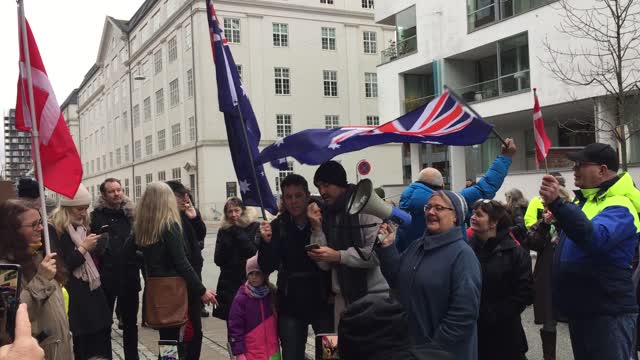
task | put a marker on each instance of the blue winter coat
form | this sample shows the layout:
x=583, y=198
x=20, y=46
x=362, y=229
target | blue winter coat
x=417, y=195
x=439, y=281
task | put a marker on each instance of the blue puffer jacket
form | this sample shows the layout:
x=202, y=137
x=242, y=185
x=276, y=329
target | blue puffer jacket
x=417, y=195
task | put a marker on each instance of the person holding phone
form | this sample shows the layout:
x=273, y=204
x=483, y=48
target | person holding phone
x=303, y=287
x=25, y=346
x=90, y=316
x=21, y=230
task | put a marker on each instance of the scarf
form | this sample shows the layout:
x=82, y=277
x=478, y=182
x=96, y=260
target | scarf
x=257, y=292
x=87, y=272
x=33, y=247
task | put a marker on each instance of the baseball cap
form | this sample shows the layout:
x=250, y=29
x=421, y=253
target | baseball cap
x=597, y=153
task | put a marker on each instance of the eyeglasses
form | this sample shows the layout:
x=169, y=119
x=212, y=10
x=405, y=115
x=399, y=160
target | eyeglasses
x=580, y=164
x=34, y=225
x=437, y=208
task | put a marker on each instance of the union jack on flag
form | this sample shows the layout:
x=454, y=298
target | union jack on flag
x=444, y=120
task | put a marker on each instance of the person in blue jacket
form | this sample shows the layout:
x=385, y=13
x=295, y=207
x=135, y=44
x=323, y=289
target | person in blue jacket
x=416, y=195
x=592, y=284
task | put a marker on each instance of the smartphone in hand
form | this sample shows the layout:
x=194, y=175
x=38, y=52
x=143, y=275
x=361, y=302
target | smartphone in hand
x=312, y=247
x=10, y=287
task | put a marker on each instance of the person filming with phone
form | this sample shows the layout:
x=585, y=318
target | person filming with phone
x=303, y=288
x=20, y=237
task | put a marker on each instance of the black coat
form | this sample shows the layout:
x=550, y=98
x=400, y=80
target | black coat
x=119, y=228
x=303, y=288
x=507, y=289
x=234, y=246
x=539, y=240
x=194, y=231
x=89, y=310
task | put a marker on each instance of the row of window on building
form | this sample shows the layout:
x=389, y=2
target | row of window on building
x=366, y=4
x=282, y=82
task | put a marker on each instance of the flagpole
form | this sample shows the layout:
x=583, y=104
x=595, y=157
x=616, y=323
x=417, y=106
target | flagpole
x=253, y=165
x=461, y=100
x=546, y=165
x=35, y=137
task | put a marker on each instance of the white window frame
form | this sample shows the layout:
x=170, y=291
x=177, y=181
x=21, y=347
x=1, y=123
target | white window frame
x=232, y=30
x=328, y=38
x=162, y=175
x=368, y=4
x=373, y=120
x=137, y=150
x=330, y=83
x=370, y=85
x=282, y=81
x=370, y=42
x=280, y=34
x=174, y=93
x=157, y=62
x=172, y=44
x=162, y=140
x=331, y=121
x=176, y=138
x=190, y=83
x=192, y=128
x=148, y=145
x=176, y=174
x=187, y=37
x=284, y=126
x=159, y=101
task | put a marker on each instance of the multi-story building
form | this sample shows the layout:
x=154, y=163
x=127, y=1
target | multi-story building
x=69, y=109
x=491, y=53
x=148, y=107
x=17, y=149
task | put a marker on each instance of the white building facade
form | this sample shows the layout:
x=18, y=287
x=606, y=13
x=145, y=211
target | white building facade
x=148, y=108
x=491, y=53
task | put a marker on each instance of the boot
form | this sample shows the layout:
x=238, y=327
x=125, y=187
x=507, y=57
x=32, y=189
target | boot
x=548, y=344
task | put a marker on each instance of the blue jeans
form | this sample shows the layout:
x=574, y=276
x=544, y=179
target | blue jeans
x=603, y=337
x=294, y=332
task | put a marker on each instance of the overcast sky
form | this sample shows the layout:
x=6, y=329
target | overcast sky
x=68, y=35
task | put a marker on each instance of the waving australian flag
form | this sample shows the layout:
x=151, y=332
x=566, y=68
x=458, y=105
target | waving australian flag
x=444, y=120
x=235, y=105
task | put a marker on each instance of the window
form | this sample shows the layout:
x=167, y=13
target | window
x=280, y=35
x=330, y=2
x=157, y=61
x=171, y=7
x=118, y=156
x=162, y=175
x=126, y=187
x=111, y=159
x=483, y=12
x=232, y=189
x=137, y=181
x=173, y=49
x=373, y=120
x=370, y=42
x=148, y=145
x=330, y=78
x=126, y=153
x=155, y=20
x=176, y=174
x=159, y=101
x=232, y=30
x=174, y=93
x=283, y=125
x=192, y=128
x=162, y=143
x=187, y=37
x=175, y=135
x=190, y=83
x=136, y=116
x=331, y=121
x=147, y=109
x=239, y=68
x=328, y=38
x=148, y=179
x=367, y=4
x=104, y=162
x=282, y=81
x=371, y=85
x=137, y=150
x=282, y=174
x=93, y=168
x=98, y=161
x=125, y=121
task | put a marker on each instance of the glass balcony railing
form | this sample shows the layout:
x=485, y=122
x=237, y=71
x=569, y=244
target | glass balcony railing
x=496, y=87
x=399, y=49
x=412, y=103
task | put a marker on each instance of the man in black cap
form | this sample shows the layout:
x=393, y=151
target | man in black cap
x=346, y=241
x=592, y=273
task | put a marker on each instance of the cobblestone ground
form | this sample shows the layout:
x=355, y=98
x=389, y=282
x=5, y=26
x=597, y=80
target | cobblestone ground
x=214, y=342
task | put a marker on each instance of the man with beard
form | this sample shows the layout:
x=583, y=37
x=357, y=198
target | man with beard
x=113, y=215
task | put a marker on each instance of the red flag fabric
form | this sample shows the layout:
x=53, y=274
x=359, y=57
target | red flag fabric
x=61, y=165
x=540, y=135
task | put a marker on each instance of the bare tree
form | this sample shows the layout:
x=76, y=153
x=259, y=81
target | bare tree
x=605, y=55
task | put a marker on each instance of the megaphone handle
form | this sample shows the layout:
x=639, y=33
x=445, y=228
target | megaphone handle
x=381, y=238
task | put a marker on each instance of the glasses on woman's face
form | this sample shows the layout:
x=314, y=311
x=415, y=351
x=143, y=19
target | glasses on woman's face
x=34, y=225
x=437, y=208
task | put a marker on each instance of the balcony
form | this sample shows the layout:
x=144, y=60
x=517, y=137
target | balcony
x=399, y=49
x=412, y=103
x=481, y=13
x=497, y=87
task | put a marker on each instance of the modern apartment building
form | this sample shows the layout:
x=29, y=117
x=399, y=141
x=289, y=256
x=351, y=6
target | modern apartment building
x=17, y=149
x=148, y=107
x=491, y=53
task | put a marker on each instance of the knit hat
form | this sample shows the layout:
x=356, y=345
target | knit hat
x=177, y=187
x=331, y=172
x=458, y=202
x=82, y=198
x=28, y=188
x=252, y=264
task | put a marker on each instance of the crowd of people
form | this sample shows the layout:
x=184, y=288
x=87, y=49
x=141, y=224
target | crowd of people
x=451, y=284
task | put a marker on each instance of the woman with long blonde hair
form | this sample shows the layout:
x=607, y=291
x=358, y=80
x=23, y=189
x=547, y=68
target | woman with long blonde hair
x=89, y=312
x=158, y=234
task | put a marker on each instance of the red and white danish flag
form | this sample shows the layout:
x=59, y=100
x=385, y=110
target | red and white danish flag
x=539, y=134
x=61, y=165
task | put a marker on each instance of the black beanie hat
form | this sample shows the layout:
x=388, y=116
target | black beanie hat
x=331, y=172
x=372, y=326
x=28, y=188
x=177, y=187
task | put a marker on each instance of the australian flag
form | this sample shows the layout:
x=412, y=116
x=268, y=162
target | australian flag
x=444, y=120
x=234, y=102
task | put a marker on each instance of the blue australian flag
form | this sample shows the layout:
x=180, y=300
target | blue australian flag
x=234, y=102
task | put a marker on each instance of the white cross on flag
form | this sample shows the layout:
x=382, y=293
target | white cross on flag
x=61, y=165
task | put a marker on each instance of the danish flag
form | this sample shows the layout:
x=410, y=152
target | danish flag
x=543, y=144
x=61, y=165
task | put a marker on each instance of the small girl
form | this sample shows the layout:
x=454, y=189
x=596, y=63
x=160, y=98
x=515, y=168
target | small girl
x=252, y=324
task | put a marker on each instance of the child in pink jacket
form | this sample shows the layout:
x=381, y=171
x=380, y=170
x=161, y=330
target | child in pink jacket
x=252, y=325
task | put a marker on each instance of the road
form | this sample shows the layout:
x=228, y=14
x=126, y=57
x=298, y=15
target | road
x=214, y=343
